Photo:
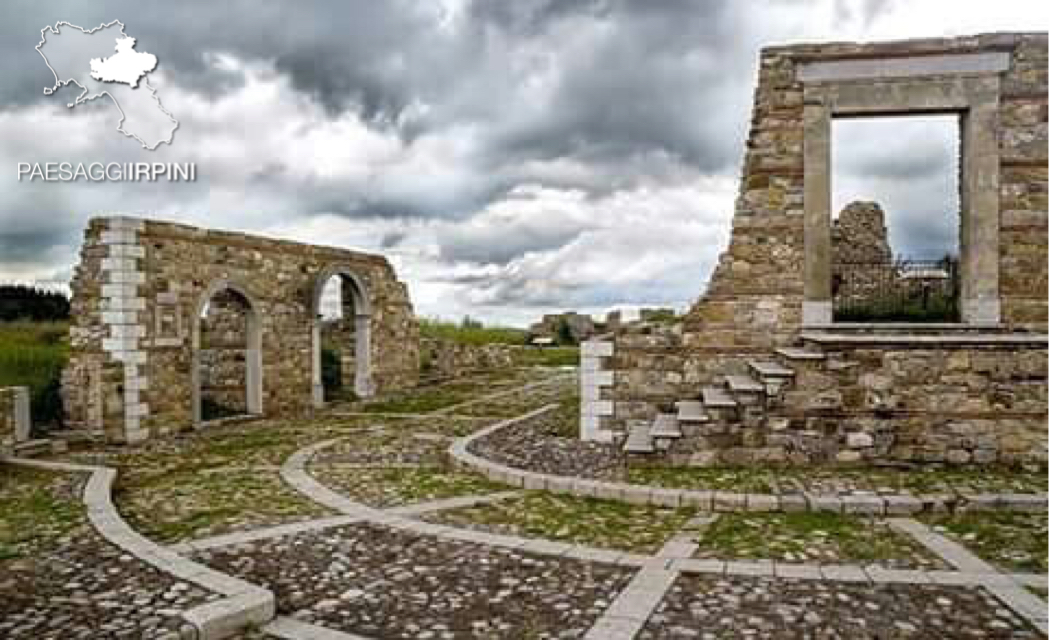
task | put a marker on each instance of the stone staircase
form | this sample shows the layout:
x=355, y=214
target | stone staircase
x=723, y=412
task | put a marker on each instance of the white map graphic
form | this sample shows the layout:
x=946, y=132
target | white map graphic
x=86, y=58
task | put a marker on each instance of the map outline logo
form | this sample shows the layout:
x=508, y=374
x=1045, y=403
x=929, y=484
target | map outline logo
x=124, y=47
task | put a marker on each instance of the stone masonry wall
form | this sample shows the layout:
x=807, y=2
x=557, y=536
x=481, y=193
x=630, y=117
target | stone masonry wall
x=959, y=405
x=754, y=296
x=137, y=293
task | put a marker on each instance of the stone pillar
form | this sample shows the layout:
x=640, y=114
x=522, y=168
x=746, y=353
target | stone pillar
x=816, y=306
x=980, y=254
x=592, y=378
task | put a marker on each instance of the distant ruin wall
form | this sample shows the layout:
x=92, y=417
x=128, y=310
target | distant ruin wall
x=138, y=292
x=447, y=359
x=859, y=235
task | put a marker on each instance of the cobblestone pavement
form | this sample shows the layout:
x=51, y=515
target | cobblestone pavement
x=382, y=583
x=530, y=445
x=80, y=586
x=739, y=607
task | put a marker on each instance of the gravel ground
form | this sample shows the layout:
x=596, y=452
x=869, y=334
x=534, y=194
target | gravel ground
x=708, y=607
x=530, y=445
x=388, y=584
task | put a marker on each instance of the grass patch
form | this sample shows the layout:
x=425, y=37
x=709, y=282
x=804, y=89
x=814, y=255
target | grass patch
x=194, y=503
x=1013, y=541
x=587, y=521
x=469, y=332
x=754, y=479
x=396, y=486
x=811, y=537
x=547, y=357
x=36, y=509
x=32, y=354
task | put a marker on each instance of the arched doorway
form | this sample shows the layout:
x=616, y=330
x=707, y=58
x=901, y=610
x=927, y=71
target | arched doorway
x=227, y=355
x=341, y=337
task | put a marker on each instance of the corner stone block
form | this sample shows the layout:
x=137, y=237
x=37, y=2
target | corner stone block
x=596, y=349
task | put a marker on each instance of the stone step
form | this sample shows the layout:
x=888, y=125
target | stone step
x=744, y=384
x=33, y=448
x=665, y=426
x=717, y=398
x=639, y=439
x=691, y=411
x=799, y=353
x=767, y=369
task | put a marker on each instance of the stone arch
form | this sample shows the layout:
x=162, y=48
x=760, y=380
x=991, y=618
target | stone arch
x=363, y=386
x=253, y=348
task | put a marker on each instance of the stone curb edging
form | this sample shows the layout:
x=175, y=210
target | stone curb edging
x=244, y=603
x=728, y=501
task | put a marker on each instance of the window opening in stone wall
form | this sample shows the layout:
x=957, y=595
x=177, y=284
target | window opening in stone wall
x=338, y=339
x=896, y=223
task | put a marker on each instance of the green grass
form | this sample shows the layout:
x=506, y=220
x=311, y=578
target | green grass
x=806, y=536
x=547, y=357
x=588, y=521
x=35, y=510
x=754, y=479
x=33, y=354
x=470, y=333
x=1013, y=541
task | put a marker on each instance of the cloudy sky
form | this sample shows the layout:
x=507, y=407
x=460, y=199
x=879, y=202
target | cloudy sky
x=510, y=156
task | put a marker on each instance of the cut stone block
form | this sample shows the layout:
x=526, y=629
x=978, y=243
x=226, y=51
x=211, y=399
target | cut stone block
x=744, y=384
x=691, y=411
x=716, y=398
x=798, y=353
x=665, y=426
x=767, y=369
x=639, y=439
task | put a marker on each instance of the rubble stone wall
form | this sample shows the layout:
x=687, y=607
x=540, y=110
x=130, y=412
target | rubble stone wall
x=138, y=292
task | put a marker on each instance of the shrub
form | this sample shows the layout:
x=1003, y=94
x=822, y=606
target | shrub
x=32, y=354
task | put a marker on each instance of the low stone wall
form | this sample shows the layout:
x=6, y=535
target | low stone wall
x=447, y=359
x=979, y=404
x=14, y=418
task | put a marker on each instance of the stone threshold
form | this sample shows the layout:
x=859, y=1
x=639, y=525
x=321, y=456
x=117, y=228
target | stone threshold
x=914, y=338
x=244, y=605
x=728, y=501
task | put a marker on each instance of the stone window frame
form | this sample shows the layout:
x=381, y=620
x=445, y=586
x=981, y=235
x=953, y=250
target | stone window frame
x=934, y=85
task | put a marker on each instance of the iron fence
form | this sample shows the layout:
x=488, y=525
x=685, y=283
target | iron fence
x=900, y=291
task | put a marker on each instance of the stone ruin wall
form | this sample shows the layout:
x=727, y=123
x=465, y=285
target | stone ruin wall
x=753, y=301
x=137, y=292
x=443, y=359
x=859, y=235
